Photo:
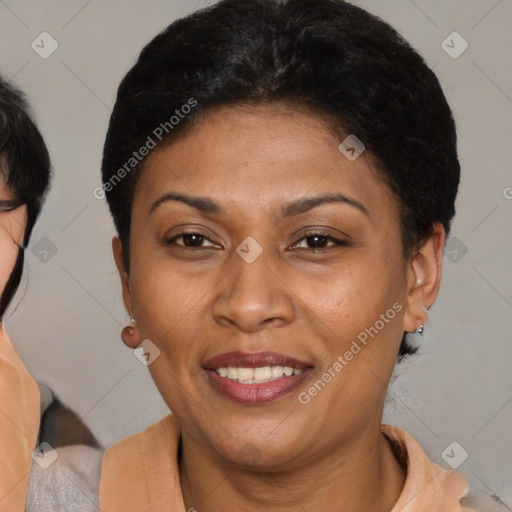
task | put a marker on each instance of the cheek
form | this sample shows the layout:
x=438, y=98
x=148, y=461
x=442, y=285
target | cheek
x=352, y=295
x=358, y=312
x=170, y=307
x=164, y=300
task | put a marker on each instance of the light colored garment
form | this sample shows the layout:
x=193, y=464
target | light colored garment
x=70, y=483
x=140, y=474
x=19, y=425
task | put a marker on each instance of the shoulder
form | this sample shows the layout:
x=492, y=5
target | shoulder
x=130, y=458
x=140, y=472
x=428, y=486
x=155, y=438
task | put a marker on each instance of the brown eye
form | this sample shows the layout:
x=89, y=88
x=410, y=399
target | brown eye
x=189, y=240
x=318, y=241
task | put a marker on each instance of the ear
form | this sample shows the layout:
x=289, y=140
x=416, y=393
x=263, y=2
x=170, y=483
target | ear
x=130, y=334
x=424, y=278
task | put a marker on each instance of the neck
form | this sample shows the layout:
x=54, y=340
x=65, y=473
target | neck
x=361, y=475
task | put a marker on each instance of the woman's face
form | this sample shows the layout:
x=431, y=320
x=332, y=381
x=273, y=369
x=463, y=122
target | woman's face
x=12, y=229
x=268, y=268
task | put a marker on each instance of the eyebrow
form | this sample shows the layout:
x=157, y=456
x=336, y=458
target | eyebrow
x=304, y=204
x=209, y=206
x=203, y=204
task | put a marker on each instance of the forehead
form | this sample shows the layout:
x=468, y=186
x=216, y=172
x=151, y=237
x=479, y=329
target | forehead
x=258, y=155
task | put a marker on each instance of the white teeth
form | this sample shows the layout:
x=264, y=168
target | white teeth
x=261, y=373
x=245, y=373
x=277, y=371
x=257, y=375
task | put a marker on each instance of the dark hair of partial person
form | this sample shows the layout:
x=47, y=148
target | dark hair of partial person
x=25, y=169
x=327, y=57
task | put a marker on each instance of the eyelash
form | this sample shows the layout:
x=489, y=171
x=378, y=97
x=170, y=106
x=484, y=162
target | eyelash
x=319, y=234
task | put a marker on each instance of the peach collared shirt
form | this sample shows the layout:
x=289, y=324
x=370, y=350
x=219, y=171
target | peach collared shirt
x=140, y=474
x=19, y=426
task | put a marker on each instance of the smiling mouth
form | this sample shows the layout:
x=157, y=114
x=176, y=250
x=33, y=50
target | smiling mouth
x=258, y=375
x=255, y=378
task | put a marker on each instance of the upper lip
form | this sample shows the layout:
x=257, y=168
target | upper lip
x=253, y=360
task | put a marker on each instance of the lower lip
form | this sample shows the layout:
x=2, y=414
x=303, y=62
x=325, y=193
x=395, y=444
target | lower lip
x=254, y=394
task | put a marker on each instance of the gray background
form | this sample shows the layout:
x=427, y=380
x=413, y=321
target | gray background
x=66, y=326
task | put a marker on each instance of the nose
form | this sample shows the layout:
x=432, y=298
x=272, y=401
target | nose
x=253, y=296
